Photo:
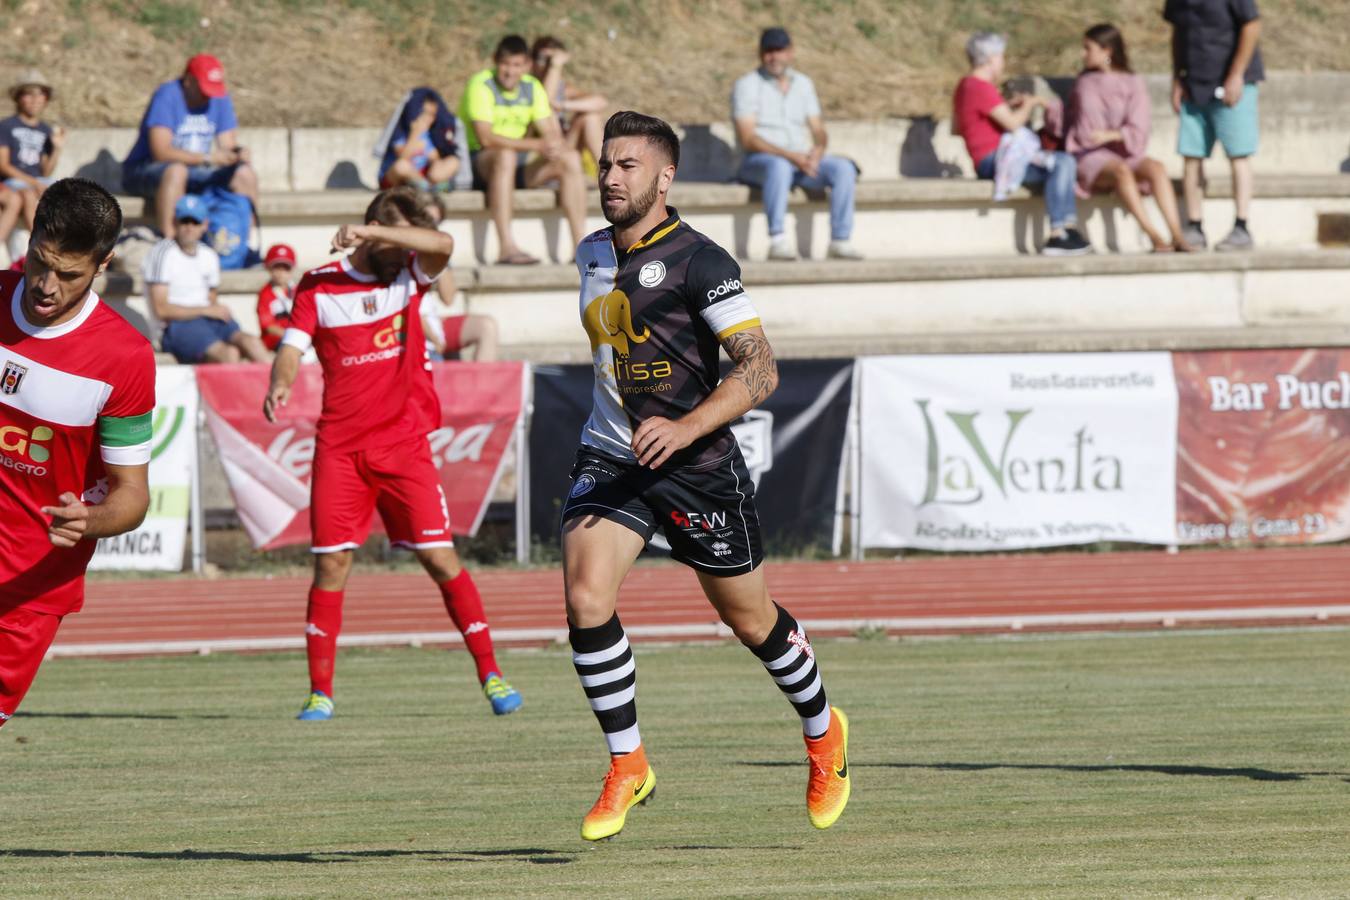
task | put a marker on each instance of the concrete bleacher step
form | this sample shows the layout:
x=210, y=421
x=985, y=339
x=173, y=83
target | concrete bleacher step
x=1005, y=303
x=905, y=218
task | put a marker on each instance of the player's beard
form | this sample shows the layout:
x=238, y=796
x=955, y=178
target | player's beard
x=384, y=269
x=637, y=207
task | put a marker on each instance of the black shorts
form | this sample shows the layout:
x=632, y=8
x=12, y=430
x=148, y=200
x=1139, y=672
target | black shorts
x=707, y=515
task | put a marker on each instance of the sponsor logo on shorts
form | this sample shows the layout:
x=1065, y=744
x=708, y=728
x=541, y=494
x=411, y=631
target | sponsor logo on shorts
x=700, y=521
x=652, y=274
x=432, y=532
x=583, y=485
x=721, y=548
x=730, y=286
x=4, y=716
x=13, y=377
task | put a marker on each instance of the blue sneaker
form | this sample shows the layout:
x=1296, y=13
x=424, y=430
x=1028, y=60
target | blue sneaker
x=318, y=708
x=504, y=698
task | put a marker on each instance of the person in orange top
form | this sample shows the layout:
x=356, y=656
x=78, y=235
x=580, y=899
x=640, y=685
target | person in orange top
x=274, y=300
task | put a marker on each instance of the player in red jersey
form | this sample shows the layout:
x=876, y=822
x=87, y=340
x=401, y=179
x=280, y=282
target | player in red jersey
x=76, y=396
x=361, y=316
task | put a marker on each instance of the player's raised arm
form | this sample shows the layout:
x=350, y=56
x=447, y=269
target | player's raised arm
x=121, y=511
x=433, y=248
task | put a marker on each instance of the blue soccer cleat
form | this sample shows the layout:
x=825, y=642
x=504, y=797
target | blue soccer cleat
x=318, y=708
x=504, y=698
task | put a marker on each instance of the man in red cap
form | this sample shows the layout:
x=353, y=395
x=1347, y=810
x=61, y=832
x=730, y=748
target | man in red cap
x=188, y=142
x=276, y=297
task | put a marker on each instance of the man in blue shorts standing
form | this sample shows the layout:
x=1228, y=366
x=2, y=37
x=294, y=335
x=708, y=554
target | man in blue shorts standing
x=1215, y=69
x=187, y=142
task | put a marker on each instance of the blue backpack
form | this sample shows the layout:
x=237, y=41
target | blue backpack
x=232, y=219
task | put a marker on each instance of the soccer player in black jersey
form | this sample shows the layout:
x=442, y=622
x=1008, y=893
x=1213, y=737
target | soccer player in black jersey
x=658, y=301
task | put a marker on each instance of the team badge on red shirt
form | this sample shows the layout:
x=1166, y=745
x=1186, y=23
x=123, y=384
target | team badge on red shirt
x=369, y=304
x=13, y=377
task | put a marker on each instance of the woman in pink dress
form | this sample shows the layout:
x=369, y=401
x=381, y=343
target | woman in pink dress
x=1106, y=129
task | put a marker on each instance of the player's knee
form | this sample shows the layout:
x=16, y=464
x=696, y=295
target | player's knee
x=588, y=606
x=330, y=570
x=441, y=563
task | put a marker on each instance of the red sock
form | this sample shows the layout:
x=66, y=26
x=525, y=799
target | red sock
x=323, y=621
x=466, y=611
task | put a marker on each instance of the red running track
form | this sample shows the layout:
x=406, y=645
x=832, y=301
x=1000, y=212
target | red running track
x=663, y=601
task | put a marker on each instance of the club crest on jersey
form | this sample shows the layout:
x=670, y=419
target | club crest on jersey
x=369, y=305
x=13, y=377
x=652, y=274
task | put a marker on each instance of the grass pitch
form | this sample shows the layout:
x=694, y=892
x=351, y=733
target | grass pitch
x=1159, y=764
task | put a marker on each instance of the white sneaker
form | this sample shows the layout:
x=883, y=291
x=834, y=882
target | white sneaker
x=843, y=250
x=781, y=249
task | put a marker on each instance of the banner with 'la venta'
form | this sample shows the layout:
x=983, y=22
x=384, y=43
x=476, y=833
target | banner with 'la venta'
x=1005, y=451
x=268, y=465
x=160, y=540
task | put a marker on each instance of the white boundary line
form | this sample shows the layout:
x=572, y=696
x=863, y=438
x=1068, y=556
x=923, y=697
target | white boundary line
x=503, y=636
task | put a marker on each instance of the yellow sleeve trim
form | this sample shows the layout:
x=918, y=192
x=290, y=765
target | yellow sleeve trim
x=737, y=328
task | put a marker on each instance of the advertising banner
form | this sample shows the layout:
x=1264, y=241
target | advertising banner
x=999, y=452
x=160, y=541
x=793, y=446
x=1263, y=446
x=268, y=465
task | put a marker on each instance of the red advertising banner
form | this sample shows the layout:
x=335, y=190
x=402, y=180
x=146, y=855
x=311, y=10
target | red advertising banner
x=268, y=465
x=1263, y=446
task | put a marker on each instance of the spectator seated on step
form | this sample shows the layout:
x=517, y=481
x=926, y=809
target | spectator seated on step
x=779, y=127
x=449, y=334
x=581, y=116
x=418, y=145
x=989, y=123
x=29, y=150
x=188, y=142
x=182, y=281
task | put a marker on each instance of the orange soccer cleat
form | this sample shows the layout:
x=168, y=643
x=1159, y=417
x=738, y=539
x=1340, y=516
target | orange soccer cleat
x=630, y=781
x=827, y=787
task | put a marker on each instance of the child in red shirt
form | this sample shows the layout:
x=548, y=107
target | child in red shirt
x=274, y=300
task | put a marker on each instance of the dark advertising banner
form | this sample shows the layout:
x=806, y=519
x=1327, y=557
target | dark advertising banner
x=793, y=446
x=1263, y=446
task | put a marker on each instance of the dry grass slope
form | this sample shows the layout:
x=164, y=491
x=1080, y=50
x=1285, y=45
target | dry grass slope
x=345, y=62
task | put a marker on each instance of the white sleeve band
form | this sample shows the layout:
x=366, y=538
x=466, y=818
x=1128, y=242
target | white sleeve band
x=298, y=339
x=421, y=277
x=729, y=313
x=135, y=455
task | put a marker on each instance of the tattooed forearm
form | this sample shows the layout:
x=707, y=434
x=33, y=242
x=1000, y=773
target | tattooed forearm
x=755, y=366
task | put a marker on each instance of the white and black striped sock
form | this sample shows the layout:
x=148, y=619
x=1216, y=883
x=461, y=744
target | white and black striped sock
x=608, y=674
x=791, y=662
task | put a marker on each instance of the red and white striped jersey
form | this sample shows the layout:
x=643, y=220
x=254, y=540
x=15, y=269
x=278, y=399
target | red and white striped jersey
x=377, y=387
x=72, y=397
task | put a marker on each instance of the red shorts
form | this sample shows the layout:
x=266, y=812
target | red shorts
x=25, y=636
x=454, y=333
x=399, y=481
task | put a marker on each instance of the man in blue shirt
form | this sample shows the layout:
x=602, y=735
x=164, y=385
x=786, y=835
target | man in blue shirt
x=187, y=142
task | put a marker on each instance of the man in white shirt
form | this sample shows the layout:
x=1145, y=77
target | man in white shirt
x=779, y=127
x=182, y=277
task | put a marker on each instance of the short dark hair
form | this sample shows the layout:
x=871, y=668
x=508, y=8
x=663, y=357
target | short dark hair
x=404, y=200
x=627, y=123
x=511, y=45
x=78, y=216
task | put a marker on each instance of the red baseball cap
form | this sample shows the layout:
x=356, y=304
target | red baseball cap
x=210, y=74
x=279, y=253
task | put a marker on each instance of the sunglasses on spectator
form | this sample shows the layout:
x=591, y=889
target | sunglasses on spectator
x=188, y=220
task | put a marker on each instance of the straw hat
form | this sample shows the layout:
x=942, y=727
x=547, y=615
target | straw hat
x=29, y=78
